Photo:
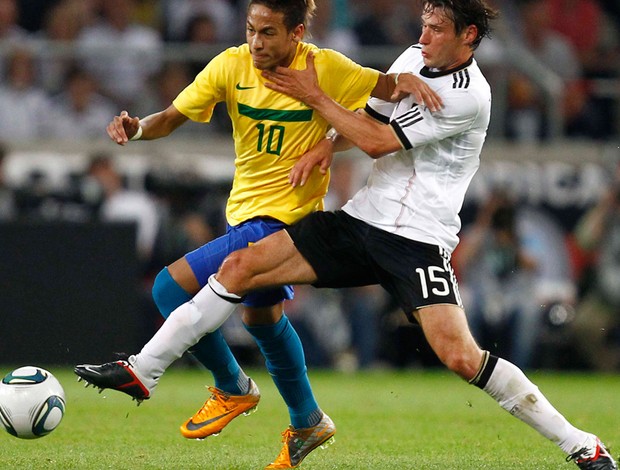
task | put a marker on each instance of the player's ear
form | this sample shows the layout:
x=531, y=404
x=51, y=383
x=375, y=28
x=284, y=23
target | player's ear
x=470, y=34
x=298, y=32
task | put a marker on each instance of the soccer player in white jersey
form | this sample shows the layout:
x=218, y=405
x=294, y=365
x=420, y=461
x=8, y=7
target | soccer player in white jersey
x=271, y=132
x=399, y=230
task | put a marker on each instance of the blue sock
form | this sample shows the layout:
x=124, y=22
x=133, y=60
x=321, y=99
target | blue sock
x=284, y=356
x=212, y=351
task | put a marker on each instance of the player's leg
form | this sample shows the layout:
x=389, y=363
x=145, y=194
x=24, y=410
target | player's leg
x=275, y=261
x=172, y=290
x=211, y=306
x=445, y=328
x=173, y=287
x=285, y=360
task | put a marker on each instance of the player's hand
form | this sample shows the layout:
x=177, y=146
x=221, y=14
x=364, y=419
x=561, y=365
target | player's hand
x=424, y=95
x=122, y=128
x=318, y=156
x=300, y=84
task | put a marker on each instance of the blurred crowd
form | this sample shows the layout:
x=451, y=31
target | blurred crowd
x=537, y=293
x=67, y=65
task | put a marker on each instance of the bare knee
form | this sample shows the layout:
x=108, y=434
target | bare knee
x=463, y=362
x=235, y=273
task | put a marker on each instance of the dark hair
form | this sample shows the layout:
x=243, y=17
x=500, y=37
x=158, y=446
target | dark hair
x=464, y=13
x=295, y=12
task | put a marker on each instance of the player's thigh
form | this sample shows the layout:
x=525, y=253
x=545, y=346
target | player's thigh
x=446, y=330
x=194, y=270
x=273, y=261
x=183, y=274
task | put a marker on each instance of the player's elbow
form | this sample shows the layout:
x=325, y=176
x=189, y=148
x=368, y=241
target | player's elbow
x=379, y=144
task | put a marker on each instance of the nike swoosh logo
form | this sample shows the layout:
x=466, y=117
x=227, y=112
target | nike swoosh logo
x=91, y=370
x=195, y=426
x=239, y=87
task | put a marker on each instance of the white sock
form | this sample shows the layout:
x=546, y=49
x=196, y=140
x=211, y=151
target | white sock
x=509, y=386
x=205, y=313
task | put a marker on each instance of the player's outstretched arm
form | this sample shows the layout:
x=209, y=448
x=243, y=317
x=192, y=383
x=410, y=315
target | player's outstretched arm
x=374, y=138
x=124, y=128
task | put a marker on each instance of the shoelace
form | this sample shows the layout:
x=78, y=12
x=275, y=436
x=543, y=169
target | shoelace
x=216, y=398
x=577, y=455
x=288, y=432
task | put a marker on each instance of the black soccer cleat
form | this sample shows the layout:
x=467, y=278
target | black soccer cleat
x=596, y=458
x=117, y=375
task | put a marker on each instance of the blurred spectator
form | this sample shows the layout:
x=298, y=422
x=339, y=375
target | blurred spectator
x=327, y=29
x=9, y=27
x=32, y=13
x=24, y=107
x=497, y=272
x=202, y=29
x=581, y=22
x=526, y=119
x=595, y=40
x=63, y=23
x=119, y=203
x=597, y=324
x=8, y=207
x=10, y=31
x=372, y=23
x=179, y=13
x=80, y=112
x=121, y=54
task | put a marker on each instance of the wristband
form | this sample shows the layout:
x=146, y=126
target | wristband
x=332, y=134
x=138, y=134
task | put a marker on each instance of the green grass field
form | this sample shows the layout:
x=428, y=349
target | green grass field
x=386, y=420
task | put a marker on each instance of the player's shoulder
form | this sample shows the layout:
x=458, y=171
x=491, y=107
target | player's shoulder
x=241, y=51
x=323, y=55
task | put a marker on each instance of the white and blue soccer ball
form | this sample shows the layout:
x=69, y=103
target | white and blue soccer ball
x=32, y=402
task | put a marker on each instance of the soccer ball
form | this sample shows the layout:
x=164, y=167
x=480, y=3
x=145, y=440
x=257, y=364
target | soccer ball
x=32, y=402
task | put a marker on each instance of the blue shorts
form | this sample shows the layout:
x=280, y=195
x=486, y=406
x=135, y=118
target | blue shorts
x=207, y=259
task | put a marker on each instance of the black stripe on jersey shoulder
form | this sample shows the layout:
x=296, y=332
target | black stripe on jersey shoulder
x=461, y=79
x=376, y=115
x=428, y=73
x=400, y=135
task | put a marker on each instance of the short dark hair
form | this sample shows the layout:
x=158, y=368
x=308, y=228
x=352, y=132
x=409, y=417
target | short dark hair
x=464, y=13
x=295, y=12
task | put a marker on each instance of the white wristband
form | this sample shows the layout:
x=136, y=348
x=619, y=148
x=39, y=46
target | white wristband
x=138, y=134
x=332, y=134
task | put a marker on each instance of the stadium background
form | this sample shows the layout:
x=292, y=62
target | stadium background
x=75, y=281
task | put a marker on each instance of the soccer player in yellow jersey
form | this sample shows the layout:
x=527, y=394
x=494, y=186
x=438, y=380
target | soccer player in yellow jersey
x=271, y=132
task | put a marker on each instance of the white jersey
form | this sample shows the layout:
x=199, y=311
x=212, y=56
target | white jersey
x=418, y=191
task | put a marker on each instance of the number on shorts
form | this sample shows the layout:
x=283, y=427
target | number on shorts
x=439, y=286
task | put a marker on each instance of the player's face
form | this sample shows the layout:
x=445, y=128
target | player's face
x=442, y=48
x=270, y=43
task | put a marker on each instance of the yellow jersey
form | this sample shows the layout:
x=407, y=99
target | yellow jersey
x=271, y=130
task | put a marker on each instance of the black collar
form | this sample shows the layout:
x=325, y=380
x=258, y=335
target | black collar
x=426, y=72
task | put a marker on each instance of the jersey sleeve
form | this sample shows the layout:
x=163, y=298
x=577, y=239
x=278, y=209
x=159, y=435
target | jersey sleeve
x=418, y=126
x=382, y=110
x=198, y=99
